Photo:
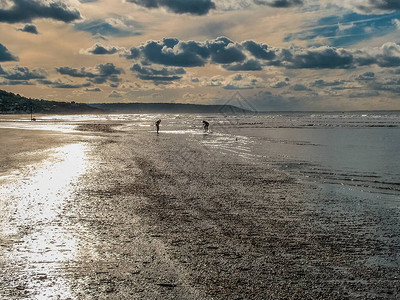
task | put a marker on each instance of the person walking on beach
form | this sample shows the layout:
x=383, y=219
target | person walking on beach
x=158, y=125
x=205, y=126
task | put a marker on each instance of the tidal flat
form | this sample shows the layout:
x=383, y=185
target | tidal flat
x=111, y=210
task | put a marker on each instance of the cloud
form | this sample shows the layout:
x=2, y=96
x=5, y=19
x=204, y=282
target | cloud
x=118, y=26
x=82, y=73
x=279, y=3
x=59, y=84
x=5, y=55
x=28, y=10
x=388, y=55
x=29, y=28
x=234, y=56
x=22, y=74
x=260, y=51
x=228, y=5
x=374, y=6
x=238, y=81
x=115, y=94
x=100, y=74
x=172, y=52
x=320, y=83
x=367, y=76
x=94, y=90
x=224, y=51
x=300, y=88
x=102, y=50
x=346, y=29
x=366, y=94
x=158, y=75
x=317, y=58
x=280, y=84
x=16, y=82
x=193, y=7
x=250, y=65
x=252, y=56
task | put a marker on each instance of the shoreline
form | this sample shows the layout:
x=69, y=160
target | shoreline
x=163, y=216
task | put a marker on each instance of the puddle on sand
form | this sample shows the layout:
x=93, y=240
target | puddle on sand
x=36, y=241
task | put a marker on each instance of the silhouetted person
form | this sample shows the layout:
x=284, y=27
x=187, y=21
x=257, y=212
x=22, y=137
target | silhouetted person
x=205, y=125
x=158, y=125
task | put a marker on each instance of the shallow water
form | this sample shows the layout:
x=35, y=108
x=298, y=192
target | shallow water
x=43, y=241
x=358, y=150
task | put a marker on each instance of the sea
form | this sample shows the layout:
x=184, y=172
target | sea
x=349, y=154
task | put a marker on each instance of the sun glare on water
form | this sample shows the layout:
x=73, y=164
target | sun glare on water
x=32, y=205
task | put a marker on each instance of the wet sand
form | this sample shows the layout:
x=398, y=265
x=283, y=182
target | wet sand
x=163, y=217
x=23, y=147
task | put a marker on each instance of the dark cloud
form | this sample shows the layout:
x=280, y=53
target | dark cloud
x=172, y=52
x=322, y=83
x=134, y=53
x=94, y=90
x=194, y=7
x=28, y=10
x=16, y=82
x=391, y=85
x=164, y=74
x=102, y=50
x=280, y=84
x=252, y=56
x=82, y=73
x=224, y=51
x=58, y=84
x=22, y=74
x=279, y=3
x=371, y=5
x=87, y=1
x=367, y=76
x=234, y=56
x=366, y=94
x=118, y=26
x=102, y=73
x=29, y=28
x=5, y=55
x=318, y=58
x=260, y=51
x=300, y=88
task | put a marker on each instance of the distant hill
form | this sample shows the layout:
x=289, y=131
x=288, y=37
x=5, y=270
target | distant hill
x=167, y=108
x=15, y=104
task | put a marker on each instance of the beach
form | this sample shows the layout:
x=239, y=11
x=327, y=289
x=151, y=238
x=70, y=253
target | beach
x=108, y=209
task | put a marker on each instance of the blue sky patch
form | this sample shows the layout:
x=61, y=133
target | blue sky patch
x=348, y=29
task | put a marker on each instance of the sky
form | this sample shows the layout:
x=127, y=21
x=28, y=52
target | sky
x=268, y=55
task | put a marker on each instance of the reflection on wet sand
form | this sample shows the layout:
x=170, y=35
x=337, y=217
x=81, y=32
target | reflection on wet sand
x=36, y=240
